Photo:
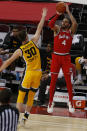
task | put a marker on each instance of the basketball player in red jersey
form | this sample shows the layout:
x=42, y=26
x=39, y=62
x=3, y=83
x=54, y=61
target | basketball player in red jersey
x=61, y=58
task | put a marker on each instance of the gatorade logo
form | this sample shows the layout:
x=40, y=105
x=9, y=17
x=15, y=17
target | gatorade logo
x=78, y=103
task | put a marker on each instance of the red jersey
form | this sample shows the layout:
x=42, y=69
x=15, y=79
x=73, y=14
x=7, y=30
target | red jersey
x=63, y=42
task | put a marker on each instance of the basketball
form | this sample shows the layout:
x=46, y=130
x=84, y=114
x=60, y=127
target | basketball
x=60, y=7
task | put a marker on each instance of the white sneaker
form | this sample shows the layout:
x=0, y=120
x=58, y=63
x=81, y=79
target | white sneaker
x=71, y=109
x=78, y=82
x=50, y=108
x=22, y=122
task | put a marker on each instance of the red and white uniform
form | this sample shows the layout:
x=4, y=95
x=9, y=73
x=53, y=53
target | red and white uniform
x=62, y=46
x=61, y=59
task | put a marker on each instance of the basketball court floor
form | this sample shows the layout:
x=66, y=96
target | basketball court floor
x=59, y=120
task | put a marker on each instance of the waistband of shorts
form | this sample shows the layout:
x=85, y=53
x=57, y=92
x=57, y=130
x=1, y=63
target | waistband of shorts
x=56, y=53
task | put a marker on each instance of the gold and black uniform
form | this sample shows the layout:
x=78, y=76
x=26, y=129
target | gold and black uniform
x=33, y=71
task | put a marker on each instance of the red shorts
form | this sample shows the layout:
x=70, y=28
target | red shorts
x=61, y=61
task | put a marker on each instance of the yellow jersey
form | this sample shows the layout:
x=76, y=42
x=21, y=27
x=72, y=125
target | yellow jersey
x=31, y=56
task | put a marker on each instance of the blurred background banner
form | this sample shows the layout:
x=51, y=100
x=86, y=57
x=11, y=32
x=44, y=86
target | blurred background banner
x=71, y=1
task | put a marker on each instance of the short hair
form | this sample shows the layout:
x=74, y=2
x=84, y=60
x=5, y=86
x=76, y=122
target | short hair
x=5, y=96
x=22, y=35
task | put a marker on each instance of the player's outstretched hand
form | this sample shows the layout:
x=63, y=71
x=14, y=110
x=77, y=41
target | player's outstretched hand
x=44, y=13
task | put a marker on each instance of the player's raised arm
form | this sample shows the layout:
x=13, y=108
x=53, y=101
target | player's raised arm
x=15, y=55
x=73, y=20
x=40, y=26
x=60, y=9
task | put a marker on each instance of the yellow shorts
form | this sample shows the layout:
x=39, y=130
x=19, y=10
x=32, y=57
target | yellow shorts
x=78, y=65
x=31, y=79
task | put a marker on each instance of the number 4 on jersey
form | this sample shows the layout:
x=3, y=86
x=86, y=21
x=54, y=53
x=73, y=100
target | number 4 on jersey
x=64, y=42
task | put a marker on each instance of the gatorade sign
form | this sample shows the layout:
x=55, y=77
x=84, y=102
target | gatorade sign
x=79, y=102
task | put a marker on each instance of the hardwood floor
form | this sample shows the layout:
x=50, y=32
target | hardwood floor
x=59, y=120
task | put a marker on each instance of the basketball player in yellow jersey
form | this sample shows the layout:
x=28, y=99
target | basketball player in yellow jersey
x=32, y=76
